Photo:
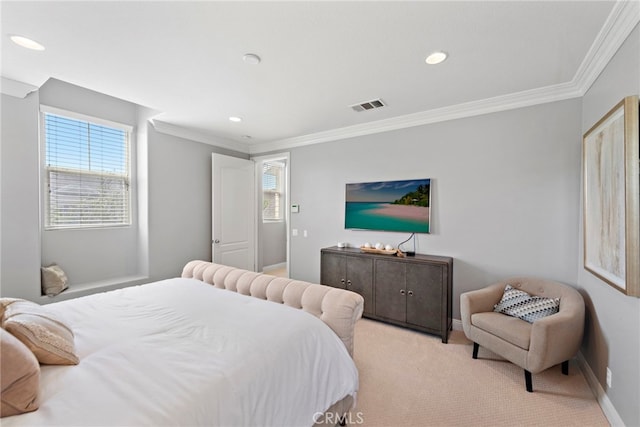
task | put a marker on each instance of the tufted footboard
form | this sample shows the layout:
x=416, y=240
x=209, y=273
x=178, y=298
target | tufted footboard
x=338, y=308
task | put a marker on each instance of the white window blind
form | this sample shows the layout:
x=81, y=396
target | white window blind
x=87, y=174
x=272, y=189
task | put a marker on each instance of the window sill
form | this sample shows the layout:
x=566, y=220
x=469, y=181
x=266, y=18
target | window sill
x=83, y=289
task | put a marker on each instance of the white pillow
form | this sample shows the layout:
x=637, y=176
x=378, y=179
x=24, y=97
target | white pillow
x=54, y=280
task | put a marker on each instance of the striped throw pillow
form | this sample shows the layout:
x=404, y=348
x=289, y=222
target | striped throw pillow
x=530, y=308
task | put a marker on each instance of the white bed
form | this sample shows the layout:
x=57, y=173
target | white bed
x=184, y=352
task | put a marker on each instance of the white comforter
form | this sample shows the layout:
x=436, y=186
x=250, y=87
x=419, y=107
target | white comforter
x=181, y=352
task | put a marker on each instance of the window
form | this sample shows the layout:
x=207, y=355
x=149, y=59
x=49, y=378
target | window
x=272, y=189
x=86, y=173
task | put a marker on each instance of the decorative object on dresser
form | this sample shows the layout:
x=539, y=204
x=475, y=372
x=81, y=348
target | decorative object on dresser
x=413, y=292
x=513, y=319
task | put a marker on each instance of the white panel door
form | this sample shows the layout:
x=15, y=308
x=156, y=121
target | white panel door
x=233, y=210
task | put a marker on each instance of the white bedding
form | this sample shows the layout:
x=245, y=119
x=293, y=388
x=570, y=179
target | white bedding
x=181, y=352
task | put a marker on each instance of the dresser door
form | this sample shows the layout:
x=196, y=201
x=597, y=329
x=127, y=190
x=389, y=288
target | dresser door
x=424, y=295
x=333, y=270
x=391, y=295
x=360, y=279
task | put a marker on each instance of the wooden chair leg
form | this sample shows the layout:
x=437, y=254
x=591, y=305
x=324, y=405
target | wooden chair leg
x=565, y=367
x=475, y=350
x=528, y=381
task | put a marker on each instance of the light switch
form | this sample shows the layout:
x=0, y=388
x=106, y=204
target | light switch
x=294, y=232
x=295, y=208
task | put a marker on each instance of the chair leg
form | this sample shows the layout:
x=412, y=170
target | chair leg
x=528, y=381
x=565, y=367
x=475, y=350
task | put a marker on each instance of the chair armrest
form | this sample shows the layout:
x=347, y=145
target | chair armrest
x=555, y=338
x=483, y=299
x=479, y=301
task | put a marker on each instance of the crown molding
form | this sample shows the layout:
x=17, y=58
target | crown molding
x=468, y=109
x=193, y=135
x=623, y=18
x=15, y=88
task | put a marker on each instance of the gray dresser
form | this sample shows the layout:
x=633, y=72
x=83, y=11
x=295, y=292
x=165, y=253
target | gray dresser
x=414, y=292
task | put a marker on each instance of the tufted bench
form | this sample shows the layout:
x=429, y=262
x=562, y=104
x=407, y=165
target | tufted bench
x=339, y=309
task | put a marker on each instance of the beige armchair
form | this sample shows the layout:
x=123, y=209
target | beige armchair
x=533, y=346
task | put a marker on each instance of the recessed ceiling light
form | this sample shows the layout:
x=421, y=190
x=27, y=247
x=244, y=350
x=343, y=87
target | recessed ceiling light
x=235, y=119
x=436, y=58
x=25, y=42
x=251, y=58
x=246, y=136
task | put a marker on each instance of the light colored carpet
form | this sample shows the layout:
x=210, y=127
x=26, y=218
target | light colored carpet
x=409, y=378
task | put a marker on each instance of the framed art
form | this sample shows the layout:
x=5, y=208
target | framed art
x=611, y=162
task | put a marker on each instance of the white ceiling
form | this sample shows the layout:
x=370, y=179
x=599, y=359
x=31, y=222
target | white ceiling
x=318, y=58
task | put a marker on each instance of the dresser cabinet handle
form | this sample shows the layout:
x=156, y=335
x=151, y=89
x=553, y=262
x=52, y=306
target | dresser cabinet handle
x=410, y=293
x=401, y=291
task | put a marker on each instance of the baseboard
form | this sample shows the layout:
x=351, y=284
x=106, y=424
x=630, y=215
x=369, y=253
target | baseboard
x=601, y=396
x=274, y=266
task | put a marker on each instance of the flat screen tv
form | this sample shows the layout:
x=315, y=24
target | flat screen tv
x=402, y=206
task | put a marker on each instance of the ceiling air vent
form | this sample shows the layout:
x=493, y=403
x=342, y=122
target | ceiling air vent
x=369, y=105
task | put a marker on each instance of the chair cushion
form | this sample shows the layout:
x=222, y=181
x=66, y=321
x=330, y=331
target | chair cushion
x=510, y=329
x=520, y=304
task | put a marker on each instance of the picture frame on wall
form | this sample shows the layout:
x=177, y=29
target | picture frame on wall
x=611, y=168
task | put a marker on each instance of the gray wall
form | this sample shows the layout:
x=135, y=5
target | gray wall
x=505, y=193
x=20, y=219
x=273, y=243
x=613, y=321
x=179, y=202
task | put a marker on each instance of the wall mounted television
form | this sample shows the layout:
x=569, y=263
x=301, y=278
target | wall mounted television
x=402, y=206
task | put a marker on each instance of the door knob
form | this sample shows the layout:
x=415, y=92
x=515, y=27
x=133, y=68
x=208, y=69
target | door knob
x=216, y=241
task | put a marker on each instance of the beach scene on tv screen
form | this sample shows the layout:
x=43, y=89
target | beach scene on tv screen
x=388, y=205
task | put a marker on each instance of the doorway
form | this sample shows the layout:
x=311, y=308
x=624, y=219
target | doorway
x=272, y=185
